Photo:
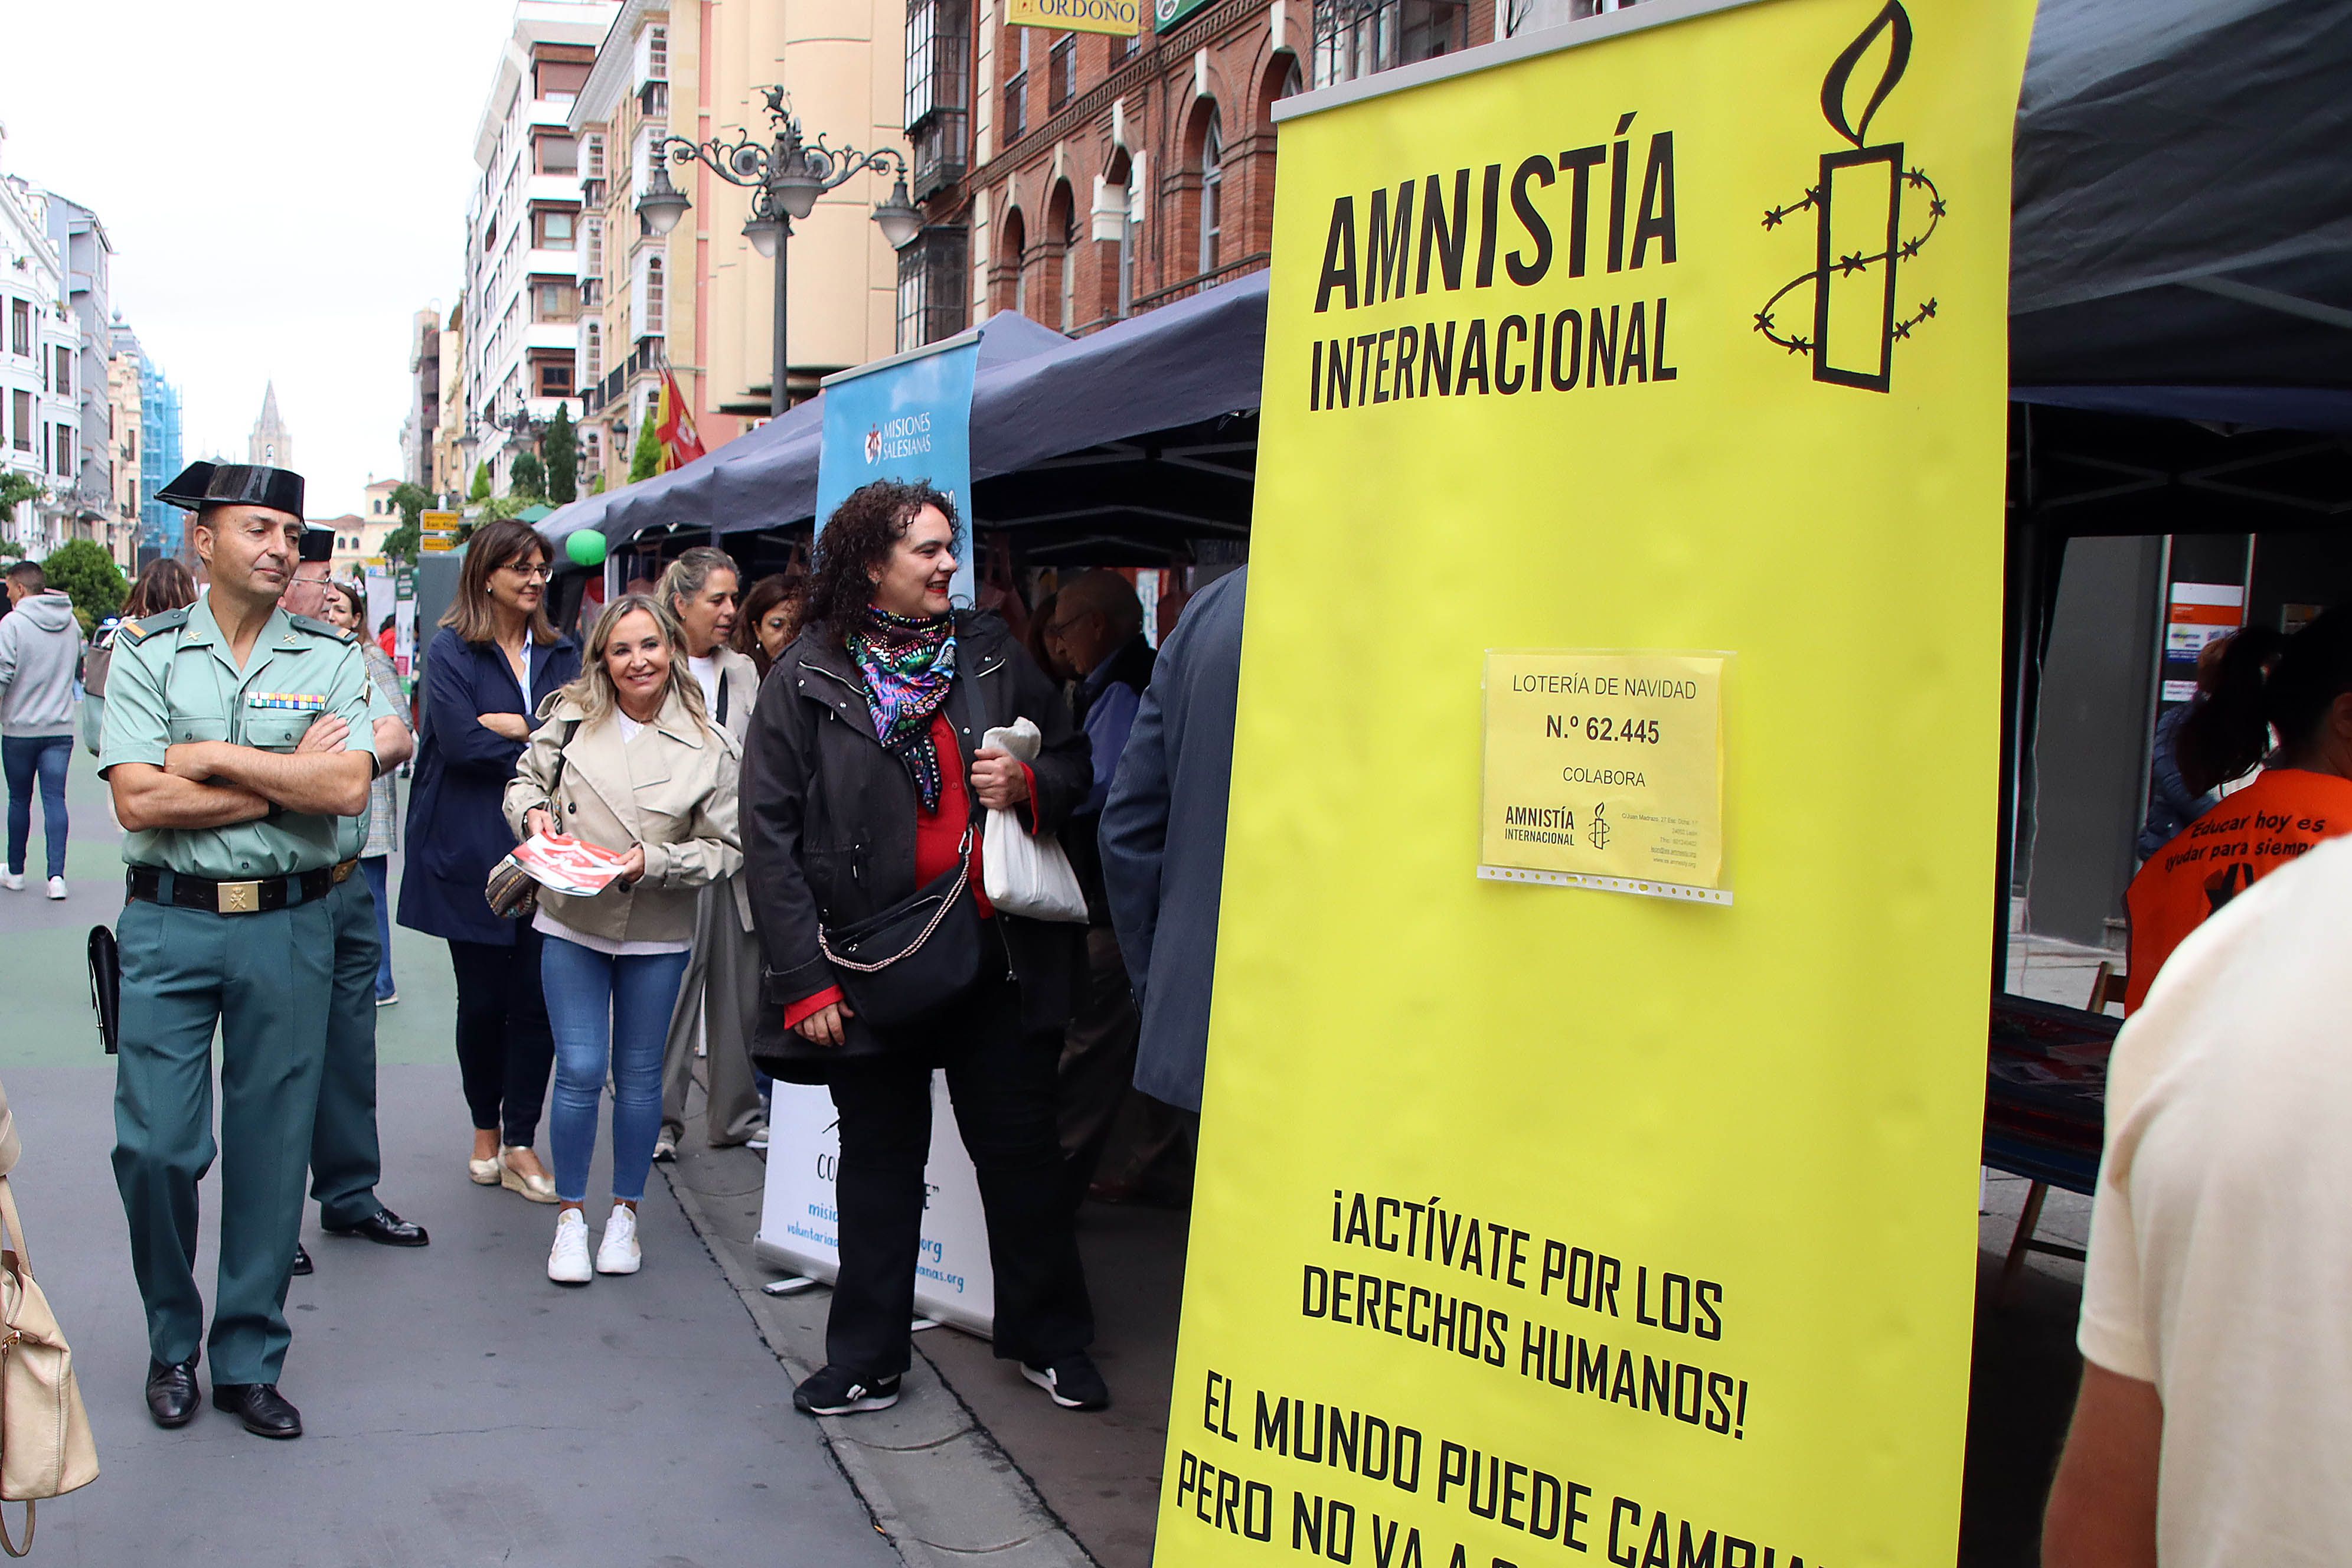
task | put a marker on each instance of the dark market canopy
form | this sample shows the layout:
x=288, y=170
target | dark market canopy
x=2182, y=247
x=2183, y=211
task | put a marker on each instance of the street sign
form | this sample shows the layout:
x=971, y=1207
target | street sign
x=437, y=531
x=1123, y=18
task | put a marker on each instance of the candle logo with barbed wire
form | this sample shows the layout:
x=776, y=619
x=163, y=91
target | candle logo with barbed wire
x=1860, y=246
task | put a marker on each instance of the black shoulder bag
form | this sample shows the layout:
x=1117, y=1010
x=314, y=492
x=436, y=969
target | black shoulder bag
x=921, y=956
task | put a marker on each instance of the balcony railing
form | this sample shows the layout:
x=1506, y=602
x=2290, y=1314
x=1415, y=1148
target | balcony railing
x=646, y=356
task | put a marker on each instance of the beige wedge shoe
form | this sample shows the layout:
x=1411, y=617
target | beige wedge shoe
x=538, y=1189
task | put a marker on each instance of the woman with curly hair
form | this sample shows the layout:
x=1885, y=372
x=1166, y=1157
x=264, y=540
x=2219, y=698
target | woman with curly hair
x=863, y=786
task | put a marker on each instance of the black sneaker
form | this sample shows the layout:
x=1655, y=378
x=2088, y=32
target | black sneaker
x=833, y=1392
x=1073, y=1382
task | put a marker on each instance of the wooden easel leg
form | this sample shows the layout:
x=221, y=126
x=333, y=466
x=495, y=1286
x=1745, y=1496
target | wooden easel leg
x=2022, y=1242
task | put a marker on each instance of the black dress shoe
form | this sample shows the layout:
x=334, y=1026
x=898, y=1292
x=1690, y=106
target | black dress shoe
x=301, y=1259
x=264, y=1411
x=384, y=1227
x=171, y=1397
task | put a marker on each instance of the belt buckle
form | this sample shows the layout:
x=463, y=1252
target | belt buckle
x=344, y=869
x=239, y=897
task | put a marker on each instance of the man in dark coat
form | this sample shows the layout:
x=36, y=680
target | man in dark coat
x=1097, y=630
x=1162, y=837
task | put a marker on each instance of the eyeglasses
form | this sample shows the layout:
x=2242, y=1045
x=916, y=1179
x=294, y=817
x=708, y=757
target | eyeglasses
x=1056, y=628
x=541, y=573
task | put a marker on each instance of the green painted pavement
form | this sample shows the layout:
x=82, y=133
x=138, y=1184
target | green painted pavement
x=44, y=1012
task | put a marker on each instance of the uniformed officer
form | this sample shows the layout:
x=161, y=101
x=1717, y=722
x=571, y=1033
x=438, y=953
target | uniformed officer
x=346, y=1160
x=232, y=846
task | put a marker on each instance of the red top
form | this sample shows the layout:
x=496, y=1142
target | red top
x=938, y=836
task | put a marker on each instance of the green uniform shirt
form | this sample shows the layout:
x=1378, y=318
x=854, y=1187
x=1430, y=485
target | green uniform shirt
x=173, y=678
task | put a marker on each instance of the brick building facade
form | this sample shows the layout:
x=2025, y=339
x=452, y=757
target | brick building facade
x=1080, y=178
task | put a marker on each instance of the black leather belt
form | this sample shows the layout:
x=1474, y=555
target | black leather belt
x=156, y=886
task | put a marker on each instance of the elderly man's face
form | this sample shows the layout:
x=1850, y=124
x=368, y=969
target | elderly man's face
x=305, y=594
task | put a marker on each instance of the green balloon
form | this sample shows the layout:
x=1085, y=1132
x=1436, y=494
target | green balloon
x=586, y=547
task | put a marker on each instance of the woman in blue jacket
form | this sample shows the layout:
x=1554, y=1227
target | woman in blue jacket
x=489, y=668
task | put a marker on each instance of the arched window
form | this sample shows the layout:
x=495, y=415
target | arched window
x=1010, y=293
x=1062, y=245
x=1118, y=183
x=1213, y=189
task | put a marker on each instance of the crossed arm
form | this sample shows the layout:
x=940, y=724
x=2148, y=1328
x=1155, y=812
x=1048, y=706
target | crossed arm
x=315, y=784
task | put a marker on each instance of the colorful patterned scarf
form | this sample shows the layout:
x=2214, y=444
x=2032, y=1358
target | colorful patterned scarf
x=909, y=665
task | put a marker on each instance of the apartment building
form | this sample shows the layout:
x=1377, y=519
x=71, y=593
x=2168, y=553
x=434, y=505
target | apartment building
x=40, y=372
x=147, y=437
x=81, y=244
x=450, y=475
x=522, y=296
x=1079, y=178
x=423, y=397
x=126, y=384
x=701, y=299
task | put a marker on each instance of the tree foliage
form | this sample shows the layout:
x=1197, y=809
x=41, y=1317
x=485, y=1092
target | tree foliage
x=528, y=478
x=412, y=500
x=481, y=490
x=561, y=452
x=16, y=487
x=645, y=461
x=86, y=573
x=506, y=506
x=403, y=543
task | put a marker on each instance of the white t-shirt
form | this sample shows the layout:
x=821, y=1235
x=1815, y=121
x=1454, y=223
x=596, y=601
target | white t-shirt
x=2220, y=1266
x=705, y=676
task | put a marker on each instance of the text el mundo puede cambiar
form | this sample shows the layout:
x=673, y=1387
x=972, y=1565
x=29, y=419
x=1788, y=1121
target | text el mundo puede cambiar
x=1557, y=238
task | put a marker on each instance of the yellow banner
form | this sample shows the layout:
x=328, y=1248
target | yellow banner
x=1123, y=18
x=1605, y=770
x=1536, y=1223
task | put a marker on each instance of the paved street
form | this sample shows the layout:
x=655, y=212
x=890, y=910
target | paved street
x=460, y=1409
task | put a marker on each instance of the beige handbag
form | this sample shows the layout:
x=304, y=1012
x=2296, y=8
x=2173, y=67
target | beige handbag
x=46, y=1447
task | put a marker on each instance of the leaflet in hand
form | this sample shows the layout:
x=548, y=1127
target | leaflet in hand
x=566, y=865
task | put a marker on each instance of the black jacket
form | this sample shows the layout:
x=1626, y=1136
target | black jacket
x=457, y=824
x=828, y=822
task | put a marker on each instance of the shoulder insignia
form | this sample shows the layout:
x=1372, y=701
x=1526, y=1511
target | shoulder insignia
x=146, y=626
x=321, y=629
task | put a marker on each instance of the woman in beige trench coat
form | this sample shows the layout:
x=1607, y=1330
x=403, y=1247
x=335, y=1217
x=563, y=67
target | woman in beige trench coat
x=624, y=758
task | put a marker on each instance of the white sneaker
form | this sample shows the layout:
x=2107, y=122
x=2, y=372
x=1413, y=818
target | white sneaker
x=567, y=1260
x=758, y=1141
x=619, y=1252
x=56, y=886
x=12, y=881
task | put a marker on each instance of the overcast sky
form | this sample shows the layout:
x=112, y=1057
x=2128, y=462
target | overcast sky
x=285, y=183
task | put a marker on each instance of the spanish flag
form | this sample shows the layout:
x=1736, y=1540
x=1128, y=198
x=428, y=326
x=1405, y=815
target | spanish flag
x=680, y=445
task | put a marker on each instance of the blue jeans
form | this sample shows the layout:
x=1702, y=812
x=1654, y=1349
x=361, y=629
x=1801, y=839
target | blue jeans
x=378, y=873
x=607, y=1013
x=23, y=756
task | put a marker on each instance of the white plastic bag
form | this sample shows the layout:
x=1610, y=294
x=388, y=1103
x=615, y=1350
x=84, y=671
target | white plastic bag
x=1024, y=873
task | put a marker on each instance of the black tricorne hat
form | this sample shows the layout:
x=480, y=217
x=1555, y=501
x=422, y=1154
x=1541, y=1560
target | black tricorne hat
x=201, y=485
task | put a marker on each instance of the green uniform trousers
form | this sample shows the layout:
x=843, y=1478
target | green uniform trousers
x=346, y=1161
x=263, y=981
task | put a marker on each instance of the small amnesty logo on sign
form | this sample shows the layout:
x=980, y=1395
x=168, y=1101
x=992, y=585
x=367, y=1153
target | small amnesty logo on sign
x=1604, y=769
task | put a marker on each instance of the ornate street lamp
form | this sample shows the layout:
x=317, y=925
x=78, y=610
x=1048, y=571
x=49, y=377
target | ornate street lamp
x=785, y=178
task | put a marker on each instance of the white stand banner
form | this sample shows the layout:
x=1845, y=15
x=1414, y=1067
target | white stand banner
x=800, y=1225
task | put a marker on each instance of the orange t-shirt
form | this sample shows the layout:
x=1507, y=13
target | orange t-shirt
x=2247, y=837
